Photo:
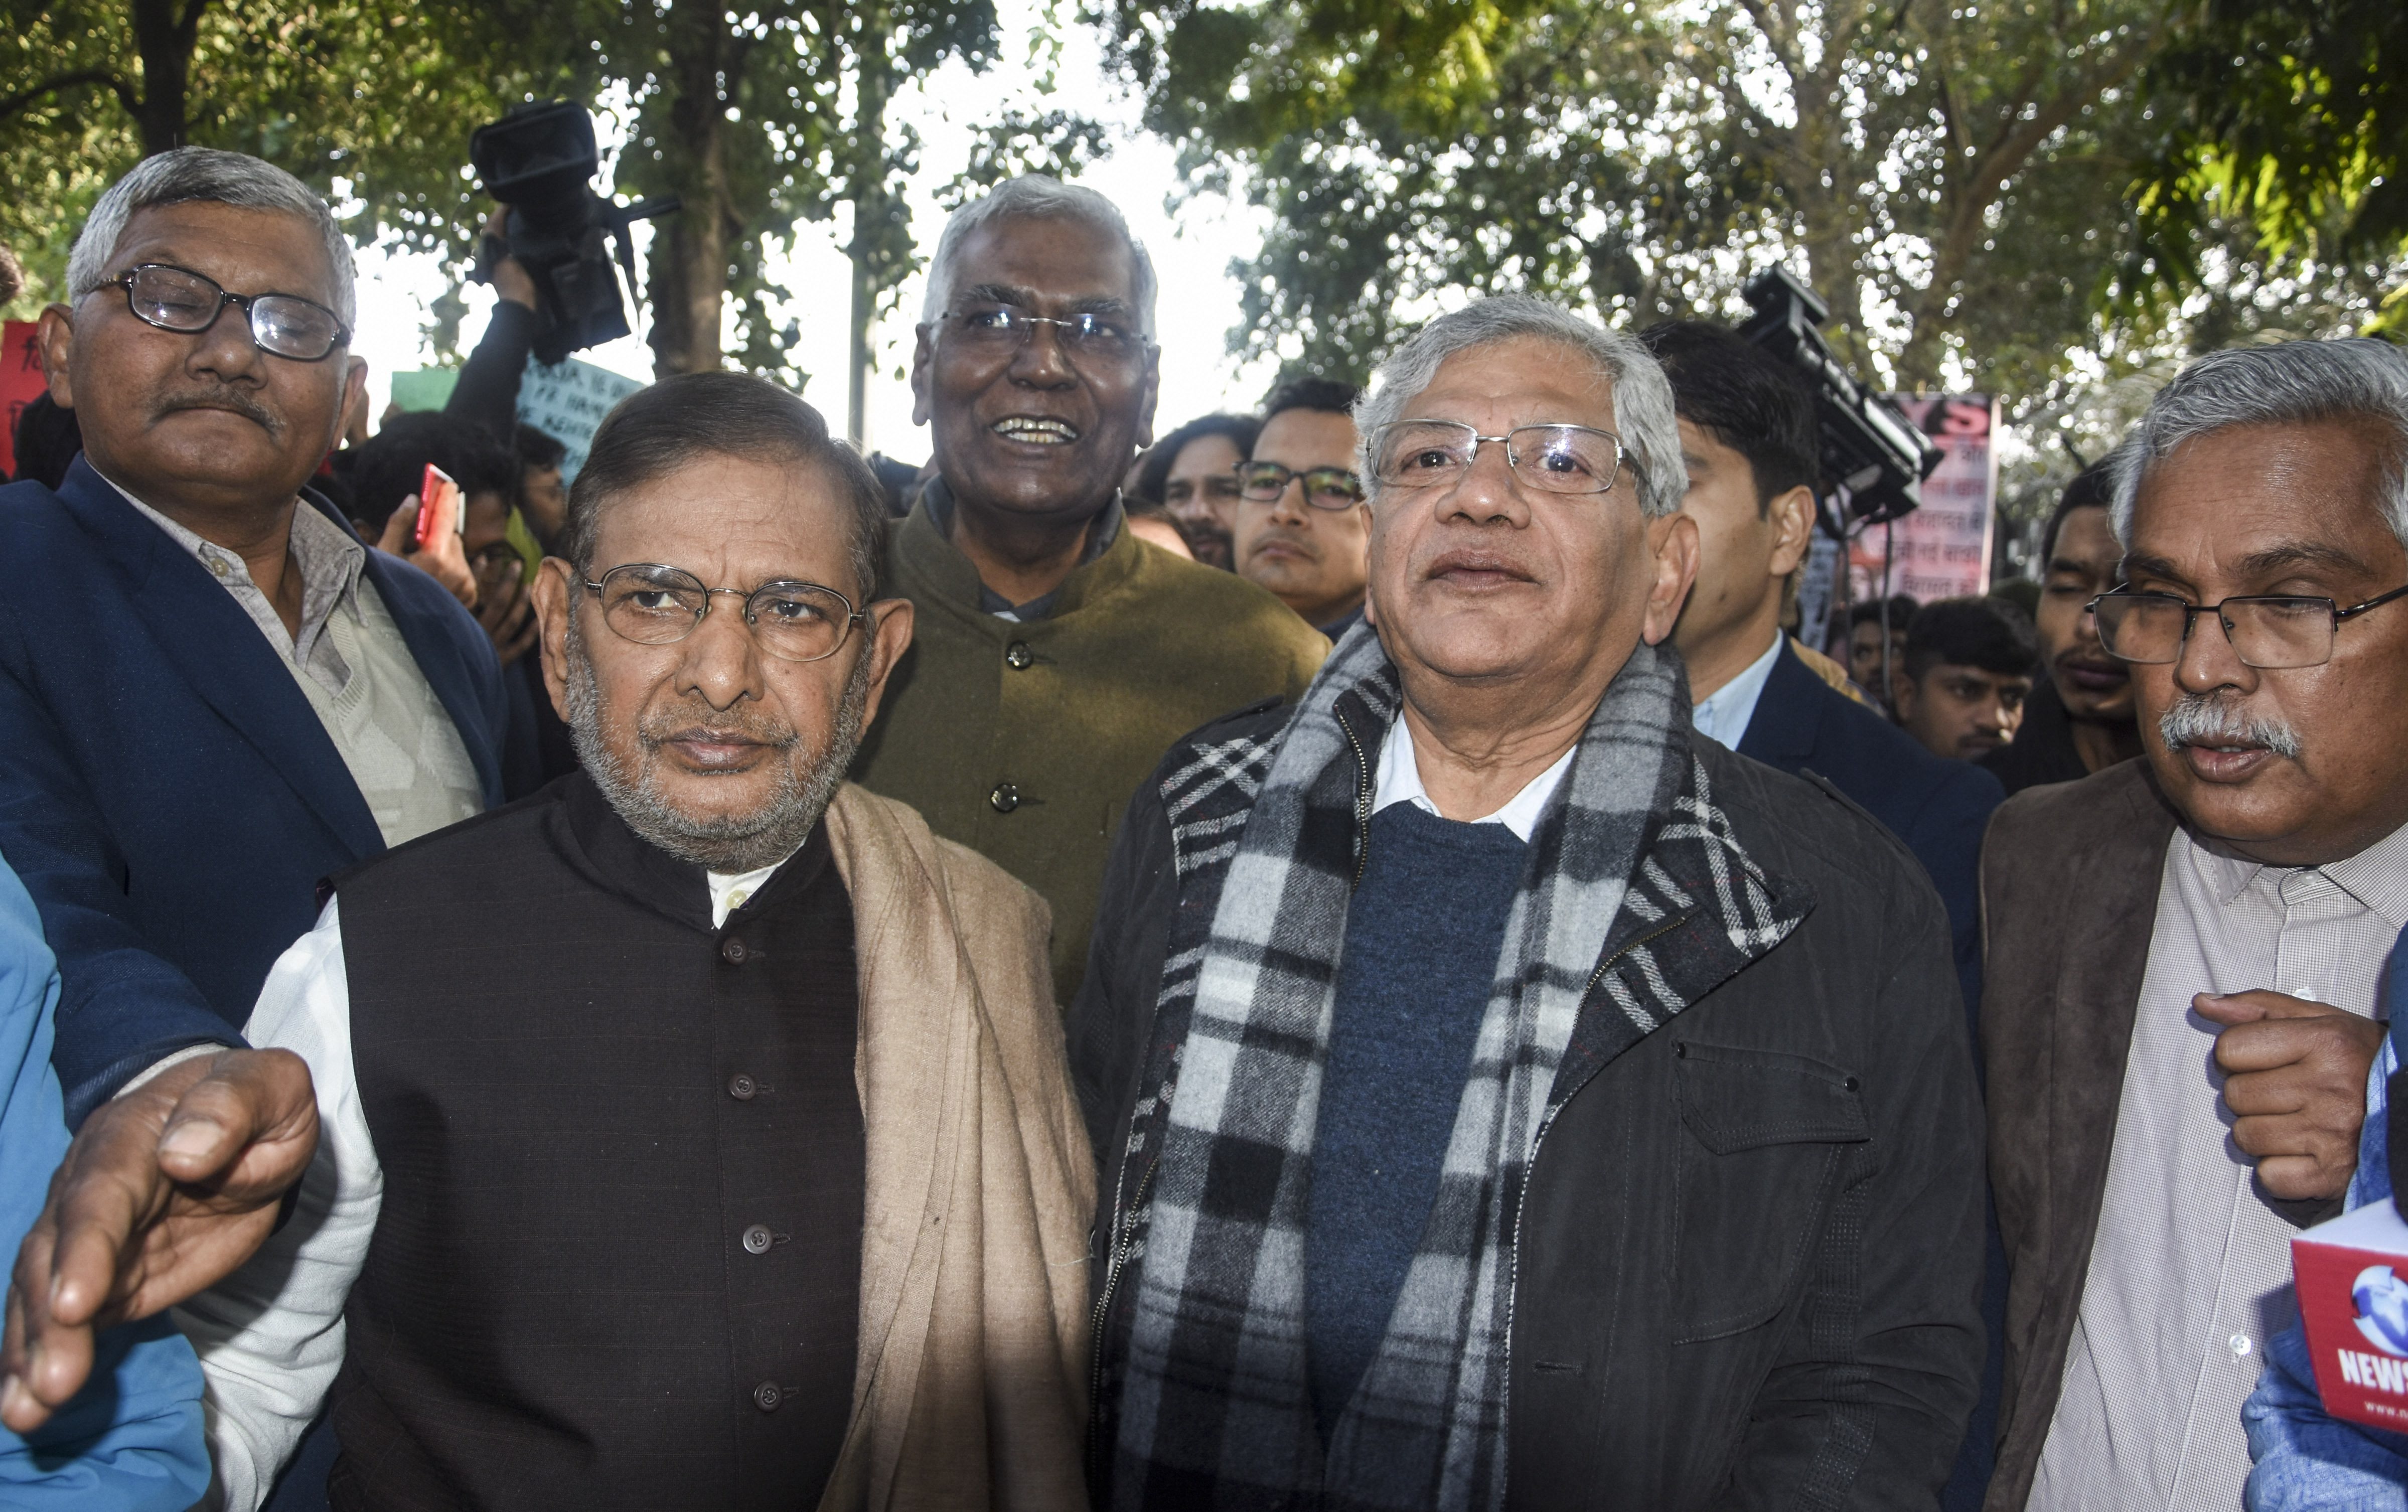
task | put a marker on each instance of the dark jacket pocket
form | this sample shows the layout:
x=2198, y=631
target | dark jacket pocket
x=1768, y=1135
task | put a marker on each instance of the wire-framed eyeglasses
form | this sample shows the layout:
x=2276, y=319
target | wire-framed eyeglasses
x=993, y=327
x=652, y=604
x=2269, y=632
x=187, y=303
x=1551, y=459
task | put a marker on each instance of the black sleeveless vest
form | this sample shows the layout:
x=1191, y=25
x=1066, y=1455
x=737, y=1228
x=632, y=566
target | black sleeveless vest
x=618, y=1262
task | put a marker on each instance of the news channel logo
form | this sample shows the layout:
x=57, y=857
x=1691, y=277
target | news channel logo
x=2382, y=1300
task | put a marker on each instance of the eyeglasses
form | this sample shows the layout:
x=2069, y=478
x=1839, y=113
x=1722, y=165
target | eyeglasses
x=188, y=303
x=1552, y=459
x=1325, y=488
x=1085, y=337
x=2270, y=633
x=655, y=606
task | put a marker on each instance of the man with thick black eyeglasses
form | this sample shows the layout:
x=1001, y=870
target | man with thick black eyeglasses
x=1058, y=655
x=214, y=693
x=1303, y=517
x=2184, y=949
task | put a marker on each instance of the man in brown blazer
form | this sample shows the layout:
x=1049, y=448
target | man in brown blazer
x=2183, y=950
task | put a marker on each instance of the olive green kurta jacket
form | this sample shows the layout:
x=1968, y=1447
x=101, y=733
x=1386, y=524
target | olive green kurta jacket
x=1025, y=741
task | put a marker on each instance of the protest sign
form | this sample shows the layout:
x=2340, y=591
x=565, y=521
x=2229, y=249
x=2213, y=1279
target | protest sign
x=21, y=381
x=567, y=401
x=1943, y=550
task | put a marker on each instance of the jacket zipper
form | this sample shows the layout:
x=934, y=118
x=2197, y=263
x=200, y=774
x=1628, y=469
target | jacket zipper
x=1362, y=801
x=1097, y=1449
x=1547, y=1121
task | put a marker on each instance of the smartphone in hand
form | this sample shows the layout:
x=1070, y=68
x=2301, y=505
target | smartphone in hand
x=438, y=507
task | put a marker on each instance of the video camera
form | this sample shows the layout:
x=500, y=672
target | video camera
x=1874, y=459
x=540, y=160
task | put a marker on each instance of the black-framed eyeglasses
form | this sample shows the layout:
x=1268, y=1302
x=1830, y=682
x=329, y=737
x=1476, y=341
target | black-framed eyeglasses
x=188, y=303
x=1325, y=488
x=652, y=604
x=1000, y=328
x=1552, y=459
x=2269, y=632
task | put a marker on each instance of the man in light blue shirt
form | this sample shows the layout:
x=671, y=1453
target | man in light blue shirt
x=130, y=1440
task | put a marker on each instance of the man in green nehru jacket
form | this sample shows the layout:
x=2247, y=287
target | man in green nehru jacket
x=1056, y=656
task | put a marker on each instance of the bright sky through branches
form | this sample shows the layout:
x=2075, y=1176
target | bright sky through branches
x=1191, y=253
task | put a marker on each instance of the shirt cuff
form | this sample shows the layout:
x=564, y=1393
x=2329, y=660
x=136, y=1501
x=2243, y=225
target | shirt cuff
x=173, y=1059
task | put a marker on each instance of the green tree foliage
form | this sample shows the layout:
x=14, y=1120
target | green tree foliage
x=1950, y=175
x=779, y=115
x=2291, y=118
x=371, y=101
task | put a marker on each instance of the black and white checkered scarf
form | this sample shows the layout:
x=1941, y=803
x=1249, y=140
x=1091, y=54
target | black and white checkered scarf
x=1214, y=1408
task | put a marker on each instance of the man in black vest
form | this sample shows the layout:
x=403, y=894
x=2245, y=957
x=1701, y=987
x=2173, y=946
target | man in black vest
x=661, y=1161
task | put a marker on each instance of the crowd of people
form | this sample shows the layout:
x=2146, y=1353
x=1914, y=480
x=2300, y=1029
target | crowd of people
x=1355, y=956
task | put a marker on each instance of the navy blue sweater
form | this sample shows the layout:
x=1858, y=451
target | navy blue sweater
x=1422, y=935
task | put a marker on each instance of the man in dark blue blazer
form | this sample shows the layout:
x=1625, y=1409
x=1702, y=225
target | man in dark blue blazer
x=214, y=694
x=1749, y=445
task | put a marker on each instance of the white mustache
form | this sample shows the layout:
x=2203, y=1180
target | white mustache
x=2202, y=719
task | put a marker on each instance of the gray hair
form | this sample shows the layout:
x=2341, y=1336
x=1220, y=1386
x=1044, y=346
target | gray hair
x=1643, y=397
x=205, y=174
x=2286, y=383
x=1038, y=197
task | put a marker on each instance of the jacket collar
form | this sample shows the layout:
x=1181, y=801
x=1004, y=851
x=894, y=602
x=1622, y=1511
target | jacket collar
x=1783, y=725
x=599, y=846
x=924, y=543
x=213, y=643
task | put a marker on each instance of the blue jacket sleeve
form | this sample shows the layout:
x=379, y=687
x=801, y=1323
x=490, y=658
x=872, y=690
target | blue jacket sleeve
x=124, y=1005
x=132, y=1440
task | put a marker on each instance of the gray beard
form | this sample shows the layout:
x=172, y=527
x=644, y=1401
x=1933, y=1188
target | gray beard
x=727, y=844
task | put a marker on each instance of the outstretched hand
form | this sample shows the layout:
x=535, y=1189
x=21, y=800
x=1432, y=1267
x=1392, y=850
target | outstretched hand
x=2295, y=1079
x=165, y=1190
x=445, y=561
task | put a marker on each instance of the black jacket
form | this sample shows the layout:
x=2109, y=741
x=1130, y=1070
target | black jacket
x=1937, y=806
x=1751, y=1244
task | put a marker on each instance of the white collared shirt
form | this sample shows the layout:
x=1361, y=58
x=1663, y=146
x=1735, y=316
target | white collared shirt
x=728, y=893
x=1398, y=780
x=358, y=672
x=1725, y=715
x=2191, y=1270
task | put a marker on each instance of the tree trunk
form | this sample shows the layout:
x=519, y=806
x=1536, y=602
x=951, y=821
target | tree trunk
x=873, y=208
x=689, y=252
x=165, y=40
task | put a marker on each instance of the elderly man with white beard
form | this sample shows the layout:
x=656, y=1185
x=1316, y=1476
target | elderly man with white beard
x=2184, y=950
x=1509, y=1095
x=696, y=1131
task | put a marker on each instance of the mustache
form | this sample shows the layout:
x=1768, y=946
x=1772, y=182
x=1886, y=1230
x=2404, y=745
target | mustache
x=221, y=396
x=659, y=728
x=2204, y=719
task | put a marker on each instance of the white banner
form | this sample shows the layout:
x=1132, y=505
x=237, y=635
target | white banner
x=1943, y=550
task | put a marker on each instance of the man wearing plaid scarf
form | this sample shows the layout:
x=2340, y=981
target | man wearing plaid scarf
x=1506, y=1096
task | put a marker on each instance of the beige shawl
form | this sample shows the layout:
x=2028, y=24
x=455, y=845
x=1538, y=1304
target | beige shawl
x=971, y=1387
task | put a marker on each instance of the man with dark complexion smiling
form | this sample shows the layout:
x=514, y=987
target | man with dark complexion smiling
x=1058, y=655
x=2185, y=952
x=2080, y=721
